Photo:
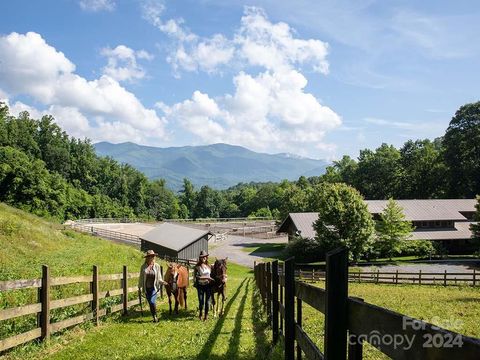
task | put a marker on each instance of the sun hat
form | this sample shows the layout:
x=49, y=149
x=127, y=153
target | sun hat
x=150, y=253
x=203, y=253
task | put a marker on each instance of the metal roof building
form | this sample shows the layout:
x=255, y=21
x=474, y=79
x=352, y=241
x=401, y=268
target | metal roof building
x=429, y=210
x=176, y=241
x=445, y=220
x=300, y=224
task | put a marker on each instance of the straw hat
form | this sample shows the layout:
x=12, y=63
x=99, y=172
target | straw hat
x=203, y=253
x=150, y=253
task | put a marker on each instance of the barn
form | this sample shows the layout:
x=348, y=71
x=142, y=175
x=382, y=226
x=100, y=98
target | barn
x=176, y=241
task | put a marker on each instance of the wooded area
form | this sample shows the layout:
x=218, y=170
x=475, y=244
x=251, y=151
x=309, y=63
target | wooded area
x=49, y=173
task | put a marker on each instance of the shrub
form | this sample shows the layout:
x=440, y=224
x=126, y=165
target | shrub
x=421, y=248
x=304, y=250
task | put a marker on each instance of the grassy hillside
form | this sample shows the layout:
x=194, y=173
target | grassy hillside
x=27, y=242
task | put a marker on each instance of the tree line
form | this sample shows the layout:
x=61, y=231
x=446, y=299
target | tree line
x=45, y=171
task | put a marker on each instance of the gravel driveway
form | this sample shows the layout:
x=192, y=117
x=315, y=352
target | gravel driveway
x=234, y=247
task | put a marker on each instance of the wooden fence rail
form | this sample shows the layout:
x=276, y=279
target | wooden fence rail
x=46, y=304
x=399, y=277
x=349, y=322
x=107, y=234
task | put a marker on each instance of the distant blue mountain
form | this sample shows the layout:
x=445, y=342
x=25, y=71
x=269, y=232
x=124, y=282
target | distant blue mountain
x=219, y=166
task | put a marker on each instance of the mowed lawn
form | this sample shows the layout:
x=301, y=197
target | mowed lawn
x=241, y=333
x=455, y=308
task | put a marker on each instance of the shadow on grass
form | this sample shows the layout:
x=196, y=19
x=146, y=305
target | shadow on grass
x=182, y=315
x=262, y=344
x=207, y=348
x=235, y=337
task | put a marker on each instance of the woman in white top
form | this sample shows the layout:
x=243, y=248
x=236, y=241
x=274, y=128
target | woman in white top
x=149, y=281
x=202, y=283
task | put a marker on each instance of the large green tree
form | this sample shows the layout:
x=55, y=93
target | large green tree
x=343, y=219
x=424, y=175
x=379, y=172
x=462, y=151
x=392, y=229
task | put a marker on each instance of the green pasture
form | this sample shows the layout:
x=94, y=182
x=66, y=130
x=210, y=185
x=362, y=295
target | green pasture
x=241, y=333
x=27, y=242
x=455, y=308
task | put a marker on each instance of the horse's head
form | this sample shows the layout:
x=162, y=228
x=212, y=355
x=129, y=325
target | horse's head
x=220, y=270
x=171, y=273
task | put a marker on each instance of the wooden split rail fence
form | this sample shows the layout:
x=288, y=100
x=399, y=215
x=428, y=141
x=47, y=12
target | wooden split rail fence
x=42, y=308
x=397, y=277
x=349, y=322
x=107, y=234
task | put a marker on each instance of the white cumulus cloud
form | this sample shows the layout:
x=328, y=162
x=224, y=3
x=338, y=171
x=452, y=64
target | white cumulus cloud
x=268, y=112
x=257, y=42
x=122, y=63
x=32, y=67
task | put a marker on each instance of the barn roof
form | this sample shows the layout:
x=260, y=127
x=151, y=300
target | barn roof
x=172, y=236
x=303, y=222
x=414, y=210
x=461, y=232
x=425, y=210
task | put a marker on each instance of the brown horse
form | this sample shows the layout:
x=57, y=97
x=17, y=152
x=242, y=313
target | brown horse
x=219, y=285
x=176, y=277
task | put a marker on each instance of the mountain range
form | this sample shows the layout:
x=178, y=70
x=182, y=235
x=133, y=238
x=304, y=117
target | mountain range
x=219, y=165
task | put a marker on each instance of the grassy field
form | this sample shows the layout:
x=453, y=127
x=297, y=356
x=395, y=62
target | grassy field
x=240, y=334
x=454, y=308
x=28, y=241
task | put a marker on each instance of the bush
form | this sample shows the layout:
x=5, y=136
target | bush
x=304, y=250
x=421, y=248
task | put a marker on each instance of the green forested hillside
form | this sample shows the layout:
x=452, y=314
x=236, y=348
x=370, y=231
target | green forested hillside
x=218, y=165
x=47, y=172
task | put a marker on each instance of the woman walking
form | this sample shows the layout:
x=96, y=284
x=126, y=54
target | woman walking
x=150, y=280
x=202, y=282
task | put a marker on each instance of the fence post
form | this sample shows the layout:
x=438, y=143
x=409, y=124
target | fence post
x=125, y=290
x=268, y=284
x=282, y=301
x=275, y=301
x=445, y=278
x=420, y=277
x=45, y=315
x=289, y=309
x=474, y=277
x=336, y=287
x=378, y=275
x=355, y=349
x=299, y=322
x=95, y=301
x=396, y=277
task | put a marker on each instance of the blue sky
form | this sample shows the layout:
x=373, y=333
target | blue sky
x=315, y=78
